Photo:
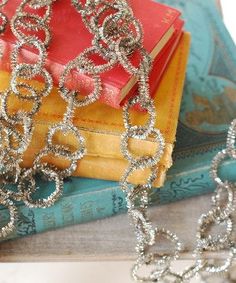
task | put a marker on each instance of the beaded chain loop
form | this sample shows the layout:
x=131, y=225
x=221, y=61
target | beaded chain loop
x=117, y=35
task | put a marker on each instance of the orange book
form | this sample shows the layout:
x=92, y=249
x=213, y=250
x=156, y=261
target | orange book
x=102, y=126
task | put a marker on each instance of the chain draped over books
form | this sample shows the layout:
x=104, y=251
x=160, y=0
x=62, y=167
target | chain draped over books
x=117, y=34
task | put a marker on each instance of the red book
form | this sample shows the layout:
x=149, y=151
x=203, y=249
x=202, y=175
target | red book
x=161, y=26
x=160, y=62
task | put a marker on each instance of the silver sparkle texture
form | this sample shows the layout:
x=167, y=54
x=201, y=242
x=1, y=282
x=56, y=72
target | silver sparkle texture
x=3, y=17
x=117, y=35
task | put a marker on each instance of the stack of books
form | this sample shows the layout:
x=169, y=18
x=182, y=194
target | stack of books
x=94, y=192
x=100, y=123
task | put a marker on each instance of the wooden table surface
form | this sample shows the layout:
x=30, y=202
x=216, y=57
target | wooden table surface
x=108, y=239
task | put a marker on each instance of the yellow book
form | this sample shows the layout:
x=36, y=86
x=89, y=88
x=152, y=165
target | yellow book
x=102, y=126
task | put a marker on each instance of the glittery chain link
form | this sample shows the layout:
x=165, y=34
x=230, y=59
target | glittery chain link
x=117, y=36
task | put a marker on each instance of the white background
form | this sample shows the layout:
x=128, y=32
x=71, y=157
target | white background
x=93, y=272
x=229, y=8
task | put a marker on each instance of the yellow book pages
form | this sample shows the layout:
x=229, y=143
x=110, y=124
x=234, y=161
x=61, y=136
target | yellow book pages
x=102, y=125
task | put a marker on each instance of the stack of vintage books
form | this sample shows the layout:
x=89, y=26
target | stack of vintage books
x=101, y=123
x=94, y=192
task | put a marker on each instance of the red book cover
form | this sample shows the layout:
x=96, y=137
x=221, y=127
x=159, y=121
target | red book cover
x=70, y=38
x=160, y=62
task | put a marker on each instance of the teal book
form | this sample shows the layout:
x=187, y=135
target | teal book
x=89, y=199
x=209, y=105
x=209, y=100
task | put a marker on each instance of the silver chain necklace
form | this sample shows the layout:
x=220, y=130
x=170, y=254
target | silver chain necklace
x=117, y=34
x=3, y=17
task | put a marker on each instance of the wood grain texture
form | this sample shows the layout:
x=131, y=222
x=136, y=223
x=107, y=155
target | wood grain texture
x=108, y=239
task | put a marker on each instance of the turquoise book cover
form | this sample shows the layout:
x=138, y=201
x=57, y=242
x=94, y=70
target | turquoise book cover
x=83, y=200
x=209, y=100
x=208, y=106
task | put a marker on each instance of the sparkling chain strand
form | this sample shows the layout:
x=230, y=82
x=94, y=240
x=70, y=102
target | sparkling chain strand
x=117, y=36
x=3, y=17
x=16, y=129
x=220, y=214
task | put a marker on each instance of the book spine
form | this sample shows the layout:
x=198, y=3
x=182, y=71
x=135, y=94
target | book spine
x=159, y=64
x=111, y=95
x=77, y=207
